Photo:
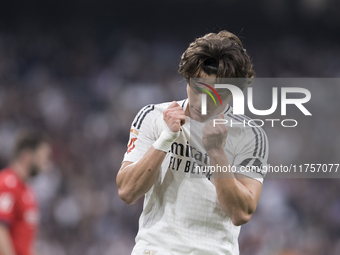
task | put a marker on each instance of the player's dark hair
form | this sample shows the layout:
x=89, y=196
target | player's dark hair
x=219, y=54
x=28, y=140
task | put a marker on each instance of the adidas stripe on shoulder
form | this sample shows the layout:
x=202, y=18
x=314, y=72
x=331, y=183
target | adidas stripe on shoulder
x=142, y=114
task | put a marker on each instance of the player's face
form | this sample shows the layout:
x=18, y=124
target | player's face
x=195, y=100
x=41, y=161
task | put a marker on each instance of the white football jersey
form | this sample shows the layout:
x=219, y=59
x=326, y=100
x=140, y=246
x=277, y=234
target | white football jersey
x=181, y=213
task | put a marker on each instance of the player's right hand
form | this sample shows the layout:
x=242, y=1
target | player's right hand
x=174, y=116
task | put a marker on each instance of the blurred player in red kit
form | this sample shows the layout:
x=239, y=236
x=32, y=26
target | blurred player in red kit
x=19, y=213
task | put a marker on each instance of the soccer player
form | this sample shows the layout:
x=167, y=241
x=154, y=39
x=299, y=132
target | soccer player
x=182, y=214
x=18, y=207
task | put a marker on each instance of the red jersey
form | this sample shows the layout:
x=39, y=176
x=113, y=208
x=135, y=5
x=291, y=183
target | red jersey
x=18, y=210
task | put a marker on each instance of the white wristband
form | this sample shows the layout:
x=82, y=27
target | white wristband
x=167, y=137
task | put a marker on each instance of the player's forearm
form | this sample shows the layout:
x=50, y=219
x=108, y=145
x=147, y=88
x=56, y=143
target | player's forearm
x=236, y=200
x=6, y=246
x=136, y=179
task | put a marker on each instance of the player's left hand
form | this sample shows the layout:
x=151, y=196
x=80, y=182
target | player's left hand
x=214, y=138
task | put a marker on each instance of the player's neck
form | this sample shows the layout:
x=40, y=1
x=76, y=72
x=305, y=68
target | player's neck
x=187, y=110
x=20, y=169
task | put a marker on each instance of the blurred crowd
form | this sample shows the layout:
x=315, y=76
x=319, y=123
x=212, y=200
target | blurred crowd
x=84, y=92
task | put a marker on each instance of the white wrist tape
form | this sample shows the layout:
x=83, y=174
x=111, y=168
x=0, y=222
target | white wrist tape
x=167, y=137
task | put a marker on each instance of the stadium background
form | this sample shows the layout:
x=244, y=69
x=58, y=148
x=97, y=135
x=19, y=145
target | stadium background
x=81, y=71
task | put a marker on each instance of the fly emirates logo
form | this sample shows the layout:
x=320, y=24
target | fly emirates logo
x=188, y=159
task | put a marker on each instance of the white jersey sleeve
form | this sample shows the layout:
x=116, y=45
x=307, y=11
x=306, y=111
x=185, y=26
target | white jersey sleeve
x=142, y=134
x=251, y=153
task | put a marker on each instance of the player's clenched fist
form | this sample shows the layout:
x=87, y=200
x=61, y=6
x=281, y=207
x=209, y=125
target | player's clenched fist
x=214, y=137
x=174, y=116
